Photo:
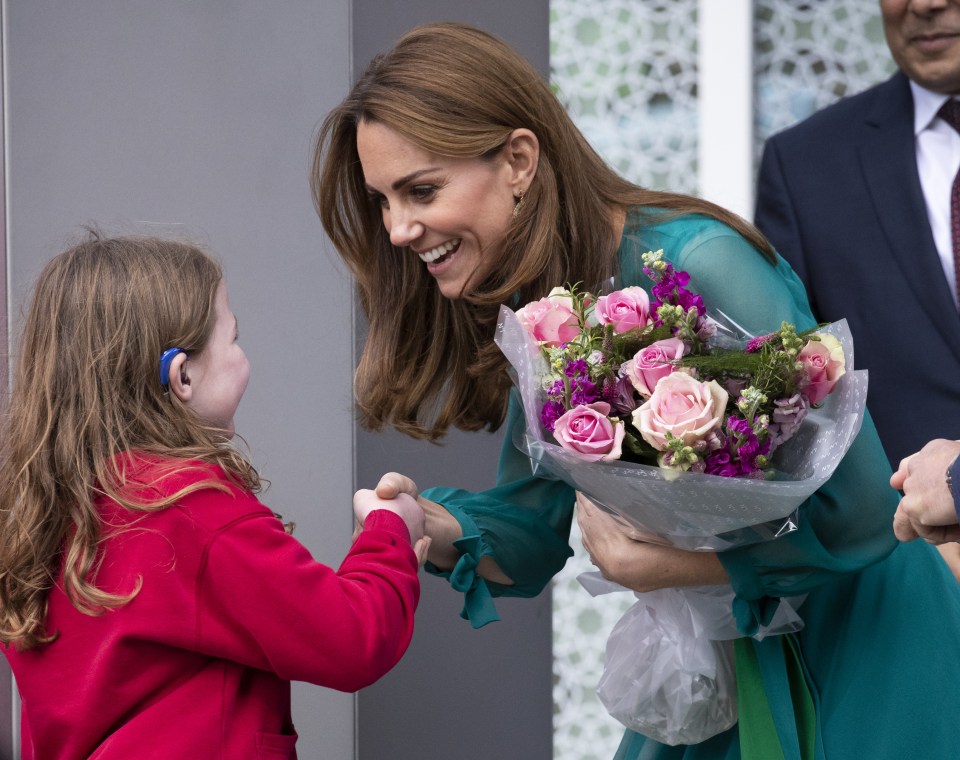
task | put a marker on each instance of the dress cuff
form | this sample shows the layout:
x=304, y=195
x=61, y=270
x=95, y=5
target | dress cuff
x=478, y=606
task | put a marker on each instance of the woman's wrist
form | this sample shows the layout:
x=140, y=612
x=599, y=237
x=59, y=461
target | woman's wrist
x=649, y=567
x=443, y=530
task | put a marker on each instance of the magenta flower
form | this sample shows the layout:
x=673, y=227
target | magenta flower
x=550, y=413
x=757, y=343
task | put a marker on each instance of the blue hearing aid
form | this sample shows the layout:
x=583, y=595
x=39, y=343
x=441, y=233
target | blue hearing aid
x=166, y=359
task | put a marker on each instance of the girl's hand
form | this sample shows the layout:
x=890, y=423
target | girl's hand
x=639, y=565
x=440, y=525
x=402, y=505
x=421, y=548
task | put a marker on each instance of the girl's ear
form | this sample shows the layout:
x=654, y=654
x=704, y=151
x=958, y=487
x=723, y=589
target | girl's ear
x=523, y=155
x=179, y=378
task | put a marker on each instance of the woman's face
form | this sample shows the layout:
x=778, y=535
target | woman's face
x=450, y=212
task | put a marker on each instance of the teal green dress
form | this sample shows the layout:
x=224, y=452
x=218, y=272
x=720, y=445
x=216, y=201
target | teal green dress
x=875, y=672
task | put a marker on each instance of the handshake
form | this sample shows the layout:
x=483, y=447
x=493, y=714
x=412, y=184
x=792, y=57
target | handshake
x=398, y=494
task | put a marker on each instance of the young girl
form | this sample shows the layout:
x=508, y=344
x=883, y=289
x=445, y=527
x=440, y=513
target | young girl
x=151, y=605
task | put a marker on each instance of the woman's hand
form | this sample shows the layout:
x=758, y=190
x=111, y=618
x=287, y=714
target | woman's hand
x=639, y=565
x=441, y=527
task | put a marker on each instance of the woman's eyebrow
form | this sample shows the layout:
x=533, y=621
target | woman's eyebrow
x=412, y=176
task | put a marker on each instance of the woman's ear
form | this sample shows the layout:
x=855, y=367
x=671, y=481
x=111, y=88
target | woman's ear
x=178, y=378
x=523, y=156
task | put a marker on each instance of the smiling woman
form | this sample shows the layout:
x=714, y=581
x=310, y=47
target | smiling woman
x=430, y=154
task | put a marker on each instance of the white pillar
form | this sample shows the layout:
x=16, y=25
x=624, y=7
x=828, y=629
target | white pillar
x=725, y=96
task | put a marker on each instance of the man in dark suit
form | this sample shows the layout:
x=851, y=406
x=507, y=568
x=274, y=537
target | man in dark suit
x=857, y=199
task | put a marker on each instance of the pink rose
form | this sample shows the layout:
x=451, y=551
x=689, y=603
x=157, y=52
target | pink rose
x=587, y=430
x=653, y=362
x=624, y=309
x=824, y=364
x=551, y=320
x=682, y=406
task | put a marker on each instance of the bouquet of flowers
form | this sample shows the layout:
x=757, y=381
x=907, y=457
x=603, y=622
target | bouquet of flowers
x=640, y=381
x=675, y=419
x=693, y=433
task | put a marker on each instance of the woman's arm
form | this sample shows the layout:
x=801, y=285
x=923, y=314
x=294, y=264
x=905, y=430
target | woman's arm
x=639, y=565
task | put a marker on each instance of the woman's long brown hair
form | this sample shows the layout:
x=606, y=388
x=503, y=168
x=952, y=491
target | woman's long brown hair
x=452, y=90
x=87, y=389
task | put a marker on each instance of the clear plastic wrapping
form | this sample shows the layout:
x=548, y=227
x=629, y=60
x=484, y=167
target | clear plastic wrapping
x=669, y=662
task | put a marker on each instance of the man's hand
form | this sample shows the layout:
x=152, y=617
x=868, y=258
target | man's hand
x=927, y=509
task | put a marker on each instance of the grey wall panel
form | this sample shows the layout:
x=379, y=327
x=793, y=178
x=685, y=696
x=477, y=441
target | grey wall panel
x=7, y=708
x=197, y=117
x=8, y=715
x=458, y=692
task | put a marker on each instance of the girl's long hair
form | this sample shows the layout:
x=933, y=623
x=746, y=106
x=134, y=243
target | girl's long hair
x=455, y=91
x=86, y=390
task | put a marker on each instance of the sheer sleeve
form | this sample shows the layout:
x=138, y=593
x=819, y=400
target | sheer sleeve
x=523, y=523
x=845, y=525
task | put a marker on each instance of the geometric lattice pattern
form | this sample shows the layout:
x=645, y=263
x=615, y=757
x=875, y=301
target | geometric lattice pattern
x=627, y=73
x=582, y=728
x=808, y=55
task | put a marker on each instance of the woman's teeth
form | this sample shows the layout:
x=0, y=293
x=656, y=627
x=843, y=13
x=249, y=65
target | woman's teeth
x=430, y=256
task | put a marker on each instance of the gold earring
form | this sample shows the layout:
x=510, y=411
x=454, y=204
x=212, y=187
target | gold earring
x=516, y=206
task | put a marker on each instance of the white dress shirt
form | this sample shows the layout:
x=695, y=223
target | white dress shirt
x=938, y=161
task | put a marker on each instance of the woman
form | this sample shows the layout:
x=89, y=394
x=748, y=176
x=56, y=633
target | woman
x=452, y=179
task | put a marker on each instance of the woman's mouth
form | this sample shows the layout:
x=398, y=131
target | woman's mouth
x=440, y=252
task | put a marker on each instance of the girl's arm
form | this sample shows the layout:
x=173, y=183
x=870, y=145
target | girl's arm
x=265, y=602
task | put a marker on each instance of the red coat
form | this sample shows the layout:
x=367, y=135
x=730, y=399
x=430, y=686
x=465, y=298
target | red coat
x=231, y=609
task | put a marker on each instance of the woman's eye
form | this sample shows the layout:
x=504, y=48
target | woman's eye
x=423, y=192
x=378, y=200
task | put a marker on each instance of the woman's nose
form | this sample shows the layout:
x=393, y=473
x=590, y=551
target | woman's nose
x=403, y=228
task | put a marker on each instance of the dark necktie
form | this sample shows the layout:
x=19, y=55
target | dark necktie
x=950, y=113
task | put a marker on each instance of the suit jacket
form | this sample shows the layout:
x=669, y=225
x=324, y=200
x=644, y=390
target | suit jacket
x=839, y=196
